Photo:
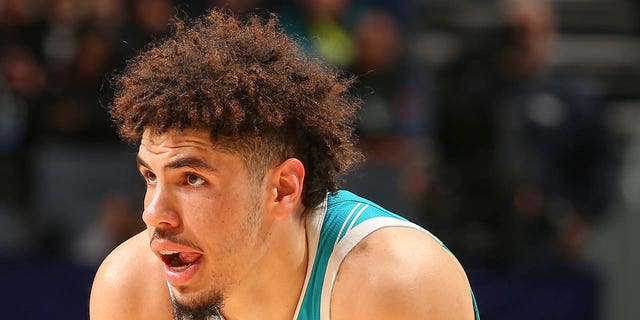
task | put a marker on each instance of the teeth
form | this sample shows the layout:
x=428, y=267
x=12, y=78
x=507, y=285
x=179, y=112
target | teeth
x=164, y=252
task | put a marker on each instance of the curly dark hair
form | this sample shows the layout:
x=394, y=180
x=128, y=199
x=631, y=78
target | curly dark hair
x=248, y=84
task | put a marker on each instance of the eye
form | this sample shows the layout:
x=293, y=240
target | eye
x=194, y=180
x=150, y=177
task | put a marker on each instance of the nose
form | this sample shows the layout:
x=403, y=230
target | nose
x=160, y=208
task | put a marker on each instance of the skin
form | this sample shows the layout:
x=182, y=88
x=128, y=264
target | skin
x=253, y=244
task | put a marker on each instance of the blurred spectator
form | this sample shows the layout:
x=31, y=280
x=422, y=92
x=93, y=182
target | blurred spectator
x=150, y=21
x=109, y=14
x=63, y=19
x=77, y=106
x=118, y=220
x=524, y=145
x=21, y=24
x=394, y=122
x=152, y=16
x=21, y=70
x=324, y=27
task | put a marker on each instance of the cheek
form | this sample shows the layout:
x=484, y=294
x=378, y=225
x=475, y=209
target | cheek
x=212, y=215
x=222, y=215
x=198, y=208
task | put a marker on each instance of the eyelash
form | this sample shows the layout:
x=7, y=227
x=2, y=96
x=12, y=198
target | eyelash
x=191, y=175
x=150, y=178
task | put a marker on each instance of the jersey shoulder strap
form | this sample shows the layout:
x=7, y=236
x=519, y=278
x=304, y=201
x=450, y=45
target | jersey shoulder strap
x=333, y=230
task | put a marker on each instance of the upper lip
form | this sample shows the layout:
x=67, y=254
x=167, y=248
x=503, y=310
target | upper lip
x=162, y=247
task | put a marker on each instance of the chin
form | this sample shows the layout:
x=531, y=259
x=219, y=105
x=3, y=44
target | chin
x=200, y=310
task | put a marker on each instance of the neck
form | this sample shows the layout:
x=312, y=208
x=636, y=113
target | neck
x=274, y=287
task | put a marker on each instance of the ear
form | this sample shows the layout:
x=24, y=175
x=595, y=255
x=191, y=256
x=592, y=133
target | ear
x=287, y=180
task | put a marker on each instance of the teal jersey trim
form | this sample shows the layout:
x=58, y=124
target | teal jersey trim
x=344, y=211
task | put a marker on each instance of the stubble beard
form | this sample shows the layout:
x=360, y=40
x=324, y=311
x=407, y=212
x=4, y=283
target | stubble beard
x=204, y=310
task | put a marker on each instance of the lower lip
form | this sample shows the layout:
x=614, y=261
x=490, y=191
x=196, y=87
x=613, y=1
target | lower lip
x=183, y=276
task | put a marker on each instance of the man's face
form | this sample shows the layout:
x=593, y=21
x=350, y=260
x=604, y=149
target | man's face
x=205, y=216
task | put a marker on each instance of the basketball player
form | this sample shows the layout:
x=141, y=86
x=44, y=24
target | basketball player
x=241, y=141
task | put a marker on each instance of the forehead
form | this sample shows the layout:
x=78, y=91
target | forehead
x=174, y=139
x=186, y=148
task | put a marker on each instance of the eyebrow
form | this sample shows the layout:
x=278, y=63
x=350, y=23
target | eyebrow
x=187, y=162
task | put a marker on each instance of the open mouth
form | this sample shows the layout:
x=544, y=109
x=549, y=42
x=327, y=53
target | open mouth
x=179, y=261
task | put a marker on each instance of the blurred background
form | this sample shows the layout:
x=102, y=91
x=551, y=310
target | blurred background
x=507, y=128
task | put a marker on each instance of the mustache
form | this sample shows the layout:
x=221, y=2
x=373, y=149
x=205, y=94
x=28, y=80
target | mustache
x=167, y=235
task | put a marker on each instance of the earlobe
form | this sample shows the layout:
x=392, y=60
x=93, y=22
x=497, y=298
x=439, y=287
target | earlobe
x=289, y=180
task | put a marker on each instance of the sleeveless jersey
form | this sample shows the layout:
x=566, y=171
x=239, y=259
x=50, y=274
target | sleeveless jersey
x=333, y=230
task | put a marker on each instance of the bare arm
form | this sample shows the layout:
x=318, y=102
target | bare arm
x=399, y=273
x=127, y=285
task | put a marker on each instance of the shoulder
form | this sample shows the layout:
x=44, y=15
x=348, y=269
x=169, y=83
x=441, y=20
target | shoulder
x=401, y=273
x=129, y=276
